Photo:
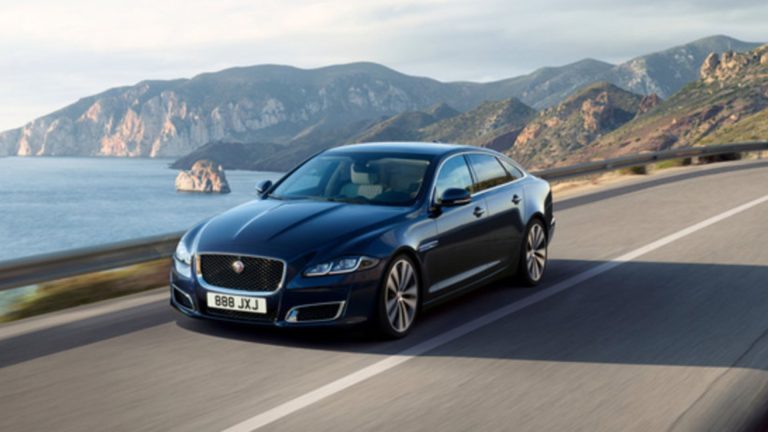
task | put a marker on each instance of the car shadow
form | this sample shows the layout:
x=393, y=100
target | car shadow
x=660, y=313
x=640, y=313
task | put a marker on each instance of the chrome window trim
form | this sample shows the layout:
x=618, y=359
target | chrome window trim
x=342, y=306
x=515, y=164
x=433, y=198
x=232, y=291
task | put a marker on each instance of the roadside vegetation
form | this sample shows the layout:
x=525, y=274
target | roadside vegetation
x=79, y=290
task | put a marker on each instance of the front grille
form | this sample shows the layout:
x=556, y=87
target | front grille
x=258, y=274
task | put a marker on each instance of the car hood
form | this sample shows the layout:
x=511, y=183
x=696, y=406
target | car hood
x=285, y=229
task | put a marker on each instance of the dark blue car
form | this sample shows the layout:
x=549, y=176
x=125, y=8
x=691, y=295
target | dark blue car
x=367, y=233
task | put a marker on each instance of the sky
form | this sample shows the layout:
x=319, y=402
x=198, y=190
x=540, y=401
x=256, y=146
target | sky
x=54, y=52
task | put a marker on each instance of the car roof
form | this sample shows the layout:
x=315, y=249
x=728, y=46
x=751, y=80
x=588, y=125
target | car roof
x=422, y=148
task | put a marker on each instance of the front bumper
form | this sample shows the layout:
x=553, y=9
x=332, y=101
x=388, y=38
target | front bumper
x=351, y=297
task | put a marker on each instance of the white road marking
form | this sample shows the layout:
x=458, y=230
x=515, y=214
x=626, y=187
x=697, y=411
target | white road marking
x=390, y=362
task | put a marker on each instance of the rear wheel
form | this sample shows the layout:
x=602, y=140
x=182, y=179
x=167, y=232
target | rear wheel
x=398, y=301
x=533, y=256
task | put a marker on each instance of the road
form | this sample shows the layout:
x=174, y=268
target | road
x=669, y=333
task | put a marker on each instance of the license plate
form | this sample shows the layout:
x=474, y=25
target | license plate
x=237, y=303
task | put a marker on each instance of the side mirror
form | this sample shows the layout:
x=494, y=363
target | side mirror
x=263, y=186
x=455, y=197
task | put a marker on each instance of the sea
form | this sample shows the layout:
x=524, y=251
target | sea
x=51, y=204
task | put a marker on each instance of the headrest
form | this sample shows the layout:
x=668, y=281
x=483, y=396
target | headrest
x=362, y=174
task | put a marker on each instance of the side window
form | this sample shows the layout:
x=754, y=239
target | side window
x=511, y=169
x=453, y=174
x=488, y=170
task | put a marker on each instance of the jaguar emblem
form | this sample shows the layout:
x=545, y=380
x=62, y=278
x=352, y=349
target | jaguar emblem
x=238, y=266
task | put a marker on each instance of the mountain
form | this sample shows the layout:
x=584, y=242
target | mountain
x=406, y=126
x=298, y=111
x=662, y=73
x=549, y=85
x=727, y=103
x=582, y=118
x=489, y=123
x=666, y=72
x=275, y=104
x=482, y=125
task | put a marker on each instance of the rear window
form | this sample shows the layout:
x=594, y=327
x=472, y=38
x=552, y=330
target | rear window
x=511, y=169
x=488, y=171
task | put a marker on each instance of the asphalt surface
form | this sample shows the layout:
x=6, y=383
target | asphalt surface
x=674, y=339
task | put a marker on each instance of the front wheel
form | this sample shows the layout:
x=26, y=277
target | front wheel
x=398, y=301
x=533, y=256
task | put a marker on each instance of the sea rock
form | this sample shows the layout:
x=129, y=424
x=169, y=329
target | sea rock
x=203, y=176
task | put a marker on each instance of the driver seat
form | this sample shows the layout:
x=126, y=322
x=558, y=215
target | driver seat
x=364, y=184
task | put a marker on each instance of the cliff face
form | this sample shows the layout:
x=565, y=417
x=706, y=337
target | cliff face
x=258, y=104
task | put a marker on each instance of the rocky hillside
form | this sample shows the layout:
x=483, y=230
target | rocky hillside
x=285, y=105
x=482, y=125
x=727, y=103
x=550, y=85
x=662, y=73
x=666, y=72
x=406, y=126
x=581, y=119
x=486, y=125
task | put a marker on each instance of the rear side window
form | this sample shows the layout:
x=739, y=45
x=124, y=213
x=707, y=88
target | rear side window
x=488, y=171
x=454, y=173
x=511, y=169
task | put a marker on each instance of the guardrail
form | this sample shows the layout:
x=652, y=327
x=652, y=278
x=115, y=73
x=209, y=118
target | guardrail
x=41, y=268
x=47, y=267
x=641, y=159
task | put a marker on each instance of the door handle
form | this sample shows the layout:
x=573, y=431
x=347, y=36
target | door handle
x=516, y=199
x=479, y=211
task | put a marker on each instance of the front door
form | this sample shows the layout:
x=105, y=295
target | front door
x=461, y=230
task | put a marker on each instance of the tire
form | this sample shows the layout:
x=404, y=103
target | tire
x=398, y=300
x=533, y=254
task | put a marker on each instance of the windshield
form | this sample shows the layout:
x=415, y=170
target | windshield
x=366, y=178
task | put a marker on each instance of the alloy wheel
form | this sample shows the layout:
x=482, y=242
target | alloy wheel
x=536, y=252
x=401, y=295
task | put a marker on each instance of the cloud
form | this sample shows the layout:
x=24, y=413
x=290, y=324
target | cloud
x=52, y=52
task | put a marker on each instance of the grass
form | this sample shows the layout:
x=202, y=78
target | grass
x=79, y=290
x=635, y=170
x=672, y=163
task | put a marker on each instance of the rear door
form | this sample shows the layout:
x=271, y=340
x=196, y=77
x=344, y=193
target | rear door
x=457, y=255
x=504, y=199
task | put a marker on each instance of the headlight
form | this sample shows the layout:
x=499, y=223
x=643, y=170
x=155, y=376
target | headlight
x=341, y=265
x=182, y=260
